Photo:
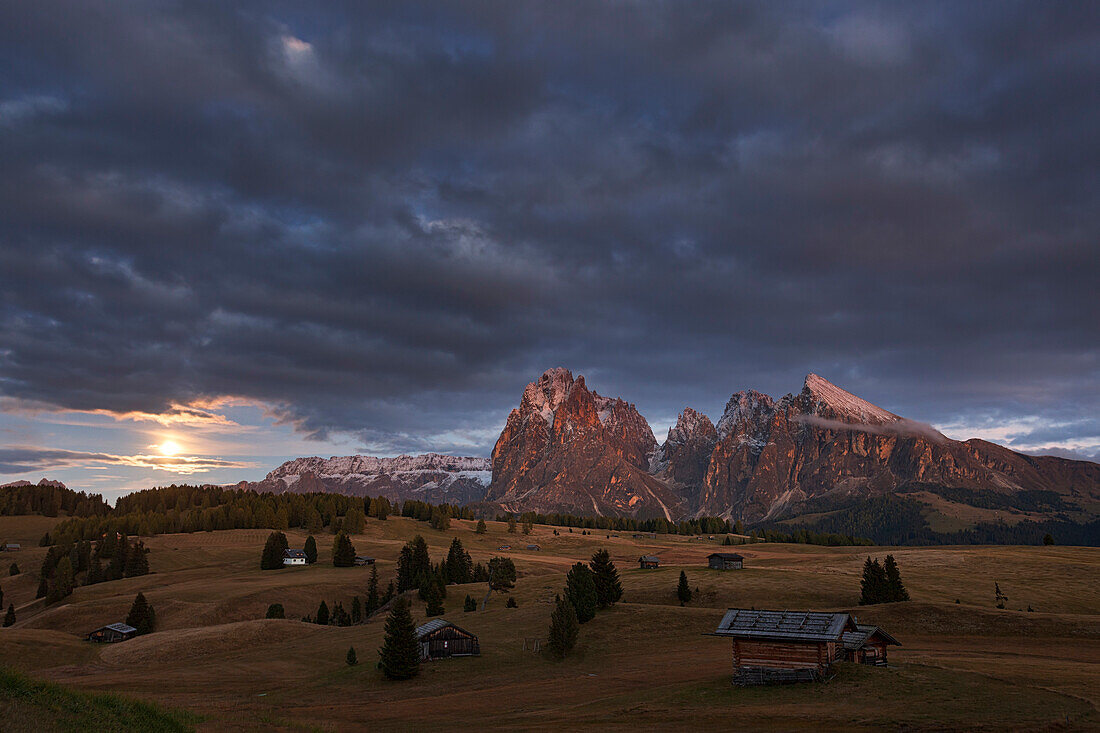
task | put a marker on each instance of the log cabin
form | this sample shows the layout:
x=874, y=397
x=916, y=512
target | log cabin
x=439, y=639
x=867, y=645
x=725, y=561
x=649, y=562
x=771, y=647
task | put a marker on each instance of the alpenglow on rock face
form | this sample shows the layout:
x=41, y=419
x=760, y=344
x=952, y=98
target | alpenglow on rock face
x=567, y=449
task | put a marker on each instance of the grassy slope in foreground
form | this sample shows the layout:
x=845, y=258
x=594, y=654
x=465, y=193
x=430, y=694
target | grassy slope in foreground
x=29, y=705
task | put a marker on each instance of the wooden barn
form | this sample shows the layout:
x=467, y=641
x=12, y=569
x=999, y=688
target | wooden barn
x=364, y=560
x=725, y=561
x=111, y=633
x=649, y=562
x=440, y=639
x=771, y=647
x=867, y=645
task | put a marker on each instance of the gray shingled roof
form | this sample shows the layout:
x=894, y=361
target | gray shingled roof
x=856, y=639
x=121, y=628
x=793, y=625
x=294, y=553
x=649, y=558
x=435, y=625
x=725, y=555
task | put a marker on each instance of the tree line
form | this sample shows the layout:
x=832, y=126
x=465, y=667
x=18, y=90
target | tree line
x=50, y=501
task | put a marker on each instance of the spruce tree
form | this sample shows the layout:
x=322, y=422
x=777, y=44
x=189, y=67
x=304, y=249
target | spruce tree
x=421, y=561
x=356, y=610
x=136, y=561
x=272, y=558
x=43, y=588
x=608, y=588
x=434, y=601
x=373, y=602
x=511, y=525
x=469, y=604
x=873, y=587
x=1048, y=539
x=564, y=628
x=13, y=570
x=275, y=610
x=481, y=529
x=895, y=589
x=322, y=614
x=351, y=659
x=580, y=589
x=1, y=597
x=1000, y=598
x=63, y=582
x=405, y=579
x=142, y=616
x=343, y=552
x=9, y=617
x=683, y=590
x=310, y=549
x=400, y=652
x=459, y=565
x=511, y=602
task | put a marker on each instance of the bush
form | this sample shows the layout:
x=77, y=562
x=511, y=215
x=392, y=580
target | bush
x=511, y=603
x=275, y=610
x=351, y=659
x=13, y=570
x=469, y=604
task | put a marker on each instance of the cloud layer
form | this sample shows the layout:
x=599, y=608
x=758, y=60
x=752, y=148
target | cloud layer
x=384, y=219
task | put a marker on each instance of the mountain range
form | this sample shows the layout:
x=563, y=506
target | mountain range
x=568, y=449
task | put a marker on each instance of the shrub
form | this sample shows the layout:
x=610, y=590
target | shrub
x=275, y=610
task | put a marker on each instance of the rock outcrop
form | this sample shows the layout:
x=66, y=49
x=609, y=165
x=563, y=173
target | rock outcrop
x=568, y=449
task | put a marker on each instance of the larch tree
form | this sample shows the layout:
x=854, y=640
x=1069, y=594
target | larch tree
x=142, y=616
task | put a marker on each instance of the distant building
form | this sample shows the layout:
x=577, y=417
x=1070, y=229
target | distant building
x=364, y=560
x=867, y=645
x=505, y=547
x=111, y=633
x=533, y=547
x=725, y=561
x=440, y=639
x=771, y=647
x=648, y=562
x=294, y=557
x=645, y=535
x=12, y=547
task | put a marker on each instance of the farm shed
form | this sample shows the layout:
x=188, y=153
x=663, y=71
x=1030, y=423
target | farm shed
x=867, y=645
x=294, y=557
x=111, y=633
x=533, y=547
x=12, y=547
x=648, y=562
x=771, y=647
x=725, y=561
x=364, y=560
x=440, y=639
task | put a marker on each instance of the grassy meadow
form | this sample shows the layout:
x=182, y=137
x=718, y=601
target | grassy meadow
x=648, y=662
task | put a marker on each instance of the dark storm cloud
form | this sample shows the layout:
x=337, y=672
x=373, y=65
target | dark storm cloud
x=385, y=218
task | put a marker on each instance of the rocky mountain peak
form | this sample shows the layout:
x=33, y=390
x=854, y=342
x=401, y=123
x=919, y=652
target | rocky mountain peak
x=747, y=406
x=830, y=401
x=691, y=424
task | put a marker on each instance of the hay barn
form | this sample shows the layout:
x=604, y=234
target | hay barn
x=112, y=633
x=440, y=639
x=867, y=645
x=649, y=562
x=725, y=561
x=771, y=647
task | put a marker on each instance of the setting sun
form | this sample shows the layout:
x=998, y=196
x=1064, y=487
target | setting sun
x=169, y=448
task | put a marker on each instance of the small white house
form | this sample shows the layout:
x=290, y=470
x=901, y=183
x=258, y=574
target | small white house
x=294, y=557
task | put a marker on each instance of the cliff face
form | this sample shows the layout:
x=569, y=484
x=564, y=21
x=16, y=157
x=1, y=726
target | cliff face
x=682, y=460
x=567, y=449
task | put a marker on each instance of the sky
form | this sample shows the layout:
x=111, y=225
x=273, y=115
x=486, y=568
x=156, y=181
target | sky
x=237, y=233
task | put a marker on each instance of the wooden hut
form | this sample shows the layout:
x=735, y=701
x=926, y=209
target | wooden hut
x=294, y=557
x=771, y=647
x=867, y=645
x=364, y=560
x=725, y=561
x=649, y=562
x=440, y=639
x=112, y=633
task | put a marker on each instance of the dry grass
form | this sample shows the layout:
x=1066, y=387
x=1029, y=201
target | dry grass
x=645, y=663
